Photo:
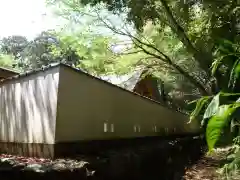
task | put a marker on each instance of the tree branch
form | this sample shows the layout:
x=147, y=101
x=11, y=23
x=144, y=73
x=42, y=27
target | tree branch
x=163, y=57
x=204, y=60
x=129, y=53
x=180, y=70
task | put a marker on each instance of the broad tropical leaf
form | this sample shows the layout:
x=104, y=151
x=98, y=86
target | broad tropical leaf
x=220, y=98
x=218, y=122
x=212, y=107
x=199, y=106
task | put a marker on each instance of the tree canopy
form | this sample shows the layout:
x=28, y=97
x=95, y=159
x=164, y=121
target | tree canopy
x=198, y=25
x=85, y=51
x=170, y=32
x=178, y=41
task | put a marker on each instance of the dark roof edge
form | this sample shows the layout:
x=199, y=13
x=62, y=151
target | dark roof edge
x=9, y=70
x=19, y=76
x=113, y=85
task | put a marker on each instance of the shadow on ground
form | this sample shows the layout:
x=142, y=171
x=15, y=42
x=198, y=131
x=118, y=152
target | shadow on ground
x=155, y=160
x=152, y=160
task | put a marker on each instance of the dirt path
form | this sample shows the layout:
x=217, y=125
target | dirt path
x=206, y=167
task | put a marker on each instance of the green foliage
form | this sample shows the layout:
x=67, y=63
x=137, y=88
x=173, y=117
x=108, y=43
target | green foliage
x=200, y=104
x=212, y=107
x=6, y=61
x=221, y=116
x=177, y=37
x=234, y=75
x=155, y=47
x=226, y=63
x=93, y=53
x=216, y=114
x=86, y=51
x=13, y=45
x=220, y=120
x=38, y=51
x=203, y=21
x=29, y=54
x=231, y=170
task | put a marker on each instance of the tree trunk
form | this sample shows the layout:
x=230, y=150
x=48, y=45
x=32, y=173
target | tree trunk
x=204, y=59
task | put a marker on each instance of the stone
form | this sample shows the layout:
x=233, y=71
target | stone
x=19, y=166
x=34, y=167
x=59, y=166
x=6, y=159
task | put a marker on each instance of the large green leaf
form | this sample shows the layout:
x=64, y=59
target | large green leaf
x=218, y=122
x=220, y=98
x=212, y=107
x=199, y=106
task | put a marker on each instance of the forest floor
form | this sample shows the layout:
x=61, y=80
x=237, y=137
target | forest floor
x=182, y=159
x=207, y=167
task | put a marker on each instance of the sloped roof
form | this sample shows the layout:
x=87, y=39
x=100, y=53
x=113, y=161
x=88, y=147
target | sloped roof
x=130, y=82
x=8, y=70
x=5, y=73
x=127, y=81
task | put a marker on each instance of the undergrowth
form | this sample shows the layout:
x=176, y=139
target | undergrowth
x=219, y=113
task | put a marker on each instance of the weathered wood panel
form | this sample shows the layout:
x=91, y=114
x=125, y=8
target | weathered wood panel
x=28, y=108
